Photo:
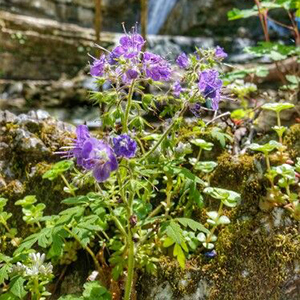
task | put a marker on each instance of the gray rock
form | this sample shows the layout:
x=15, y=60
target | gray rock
x=7, y=117
x=26, y=141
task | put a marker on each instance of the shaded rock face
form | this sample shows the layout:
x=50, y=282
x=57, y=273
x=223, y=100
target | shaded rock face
x=33, y=48
x=79, y=12
x=208, y=18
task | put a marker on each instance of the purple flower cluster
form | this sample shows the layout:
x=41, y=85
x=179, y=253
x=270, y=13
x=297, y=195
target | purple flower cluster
x=220, y=53
x=124, y=146
x=210, y=86
x=130, y=47
x=155, y=67
x=97, y=156
x=134, y=62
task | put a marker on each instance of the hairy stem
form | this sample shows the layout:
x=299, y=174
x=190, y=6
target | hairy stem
x=128, y=107
x=130, y=270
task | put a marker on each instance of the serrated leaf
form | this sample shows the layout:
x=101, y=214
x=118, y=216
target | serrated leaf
x=4, y=272
x=179, y=254
x=194, y=225
x=174, y=232
x=17, y=287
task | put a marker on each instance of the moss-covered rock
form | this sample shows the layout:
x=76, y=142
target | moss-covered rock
x=292, y=141
x=27, y=149
x=257, y=254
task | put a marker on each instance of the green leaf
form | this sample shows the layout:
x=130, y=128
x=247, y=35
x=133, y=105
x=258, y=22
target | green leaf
x=4, y=273
x=236, y=13
x=229, y=198
x=188, y=174
x=177, y=252
x=217, y=134
x=27, y=201
x=202, y=144
x=205, y=166
x=174, y=232
x=266, y=148
x=58, y=169
x=17, y=287
x=8, y=296
x=274, y=51
x=277, y=107
x=27, y=243
x=168, y=242
x=194, y=225
x=94, y=291
x=3, y=202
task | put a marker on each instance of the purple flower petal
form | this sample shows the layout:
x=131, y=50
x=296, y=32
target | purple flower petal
x=124, y=146
x=155, y=67
x=97, y=68
x=220, y=53
x=182, y=61
x=210, y=86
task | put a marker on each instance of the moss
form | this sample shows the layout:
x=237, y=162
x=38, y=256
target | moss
x=233, y=172
x=251, y=263
x=292, y=141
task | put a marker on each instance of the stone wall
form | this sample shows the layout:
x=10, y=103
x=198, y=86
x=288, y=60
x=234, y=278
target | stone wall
x=35, y=48
x=80, y=12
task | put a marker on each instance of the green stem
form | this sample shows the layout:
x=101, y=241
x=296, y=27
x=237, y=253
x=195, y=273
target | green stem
x=215, y=226
x=37, y=294
x=68, y=185
x=131, y=252
x=155, y=212
x=164, y=135
x=169, y=195
x=130, y=270
x=268, y=161
x=279, y=125
x=128, y=107
x=117, y=222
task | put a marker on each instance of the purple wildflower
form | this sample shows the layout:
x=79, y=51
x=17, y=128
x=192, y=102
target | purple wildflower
x=130, y=47
x=129, y=75
x=124, y=146
x=155, y=67
x=182, y=61
x=210, y=86
x=99, y=157
x=97, y=68
x=220, y=53
x=177, y=89
x=93, y=154
x=82, y=134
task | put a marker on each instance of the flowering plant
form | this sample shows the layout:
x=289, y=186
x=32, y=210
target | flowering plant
x=143, y=181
